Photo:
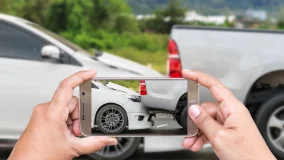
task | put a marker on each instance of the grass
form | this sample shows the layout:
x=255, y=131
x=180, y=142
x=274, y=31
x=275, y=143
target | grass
x=156, y=60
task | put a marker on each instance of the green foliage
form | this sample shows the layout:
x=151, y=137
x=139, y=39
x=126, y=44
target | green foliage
x=106, y=41
x=33, y=10
x=157, y=60
x=126, y=23
x=280, y=23
x=69, y=15
x=165, y=17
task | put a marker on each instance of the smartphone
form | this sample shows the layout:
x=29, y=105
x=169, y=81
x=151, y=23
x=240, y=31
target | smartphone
x=135, y=107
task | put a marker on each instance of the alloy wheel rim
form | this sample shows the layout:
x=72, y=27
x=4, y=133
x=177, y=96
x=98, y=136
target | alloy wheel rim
x=275, y=128
x=112, y=119
x=124, y=143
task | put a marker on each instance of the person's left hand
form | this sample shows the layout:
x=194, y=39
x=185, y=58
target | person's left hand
x=54, y=127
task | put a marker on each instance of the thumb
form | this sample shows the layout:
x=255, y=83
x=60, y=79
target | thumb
x=93, y=144
x=203, y=120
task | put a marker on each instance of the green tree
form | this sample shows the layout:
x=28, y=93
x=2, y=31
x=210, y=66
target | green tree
x=280, y=23
x=166, y=17
x=12, y=7
x=69, y=15
x=104, y=13
x=126, y=23
x=35, y=10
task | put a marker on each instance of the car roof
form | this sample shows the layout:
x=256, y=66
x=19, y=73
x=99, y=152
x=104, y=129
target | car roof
x=13, y=18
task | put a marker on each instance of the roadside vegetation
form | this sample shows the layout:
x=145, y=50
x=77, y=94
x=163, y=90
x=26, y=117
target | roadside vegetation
x=112, y=26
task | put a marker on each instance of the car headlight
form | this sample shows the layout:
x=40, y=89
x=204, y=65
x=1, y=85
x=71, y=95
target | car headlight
x=133, y=98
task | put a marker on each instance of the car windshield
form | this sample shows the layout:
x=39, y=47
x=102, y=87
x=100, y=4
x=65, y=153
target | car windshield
x=59, y=38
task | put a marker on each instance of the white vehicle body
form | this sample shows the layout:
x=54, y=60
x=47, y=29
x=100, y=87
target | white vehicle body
x=25, y=82
x=164, y=94
x=121, y=96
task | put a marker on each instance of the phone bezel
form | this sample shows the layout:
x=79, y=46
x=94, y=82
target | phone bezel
x=86, y=117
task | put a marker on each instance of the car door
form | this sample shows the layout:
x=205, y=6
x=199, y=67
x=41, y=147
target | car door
x=26, y=79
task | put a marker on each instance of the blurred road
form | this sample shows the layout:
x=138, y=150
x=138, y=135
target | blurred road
x=139, y=155
x=163, y=125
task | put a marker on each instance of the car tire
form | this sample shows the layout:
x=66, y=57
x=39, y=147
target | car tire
x=111, y=119
x=183, y=118
x=178, y=115
x=125, y=148
x=268, y=126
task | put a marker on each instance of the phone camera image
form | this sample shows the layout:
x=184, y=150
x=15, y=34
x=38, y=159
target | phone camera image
x=135, y=107
x=83, y=93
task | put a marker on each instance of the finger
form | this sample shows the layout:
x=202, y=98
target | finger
x=211, y=108
x=71, y=107
x=64, y=92
x=69, y=121
x=74, y=102
x=70, y=127
x=75, y=111
x=92, y=144
x=204, y=121
x=189, y=142
x=200, y=141
x=219, y=91
x=76, y=128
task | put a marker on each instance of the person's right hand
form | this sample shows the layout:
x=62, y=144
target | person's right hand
x=226, y=124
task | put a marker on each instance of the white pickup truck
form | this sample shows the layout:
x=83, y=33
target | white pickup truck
x=249, y=62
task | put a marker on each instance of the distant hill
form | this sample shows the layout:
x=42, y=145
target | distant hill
x=210, y=6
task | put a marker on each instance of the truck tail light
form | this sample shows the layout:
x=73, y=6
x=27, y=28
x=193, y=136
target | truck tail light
x=143, y=88
x=174, y=63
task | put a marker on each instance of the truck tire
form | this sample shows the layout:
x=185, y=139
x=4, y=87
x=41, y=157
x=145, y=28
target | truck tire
x=270, y=121
x=125, y=148
x=183, y=118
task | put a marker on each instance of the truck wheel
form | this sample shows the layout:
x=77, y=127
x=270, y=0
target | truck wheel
x=270, y=121
x=183, y=118
x=111, y=119
x=124, y=149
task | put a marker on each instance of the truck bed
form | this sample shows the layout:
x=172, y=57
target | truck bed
x=236, y=56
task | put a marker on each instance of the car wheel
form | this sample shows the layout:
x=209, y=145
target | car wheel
x=124, y=149
x=183, y=118
x=270, y=121
x=111, y=119
x=178, y=115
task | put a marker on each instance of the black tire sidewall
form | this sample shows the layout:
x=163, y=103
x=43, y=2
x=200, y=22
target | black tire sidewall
x=111, y=106
x=262, y=117
x=125, y=154
x=183, y=118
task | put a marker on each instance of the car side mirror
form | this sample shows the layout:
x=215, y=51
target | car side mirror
x=50, y=51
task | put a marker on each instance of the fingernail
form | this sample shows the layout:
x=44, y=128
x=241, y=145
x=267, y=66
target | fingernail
x=194, y=110
x=192, y=102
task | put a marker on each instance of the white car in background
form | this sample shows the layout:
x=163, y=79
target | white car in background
x=34, y=60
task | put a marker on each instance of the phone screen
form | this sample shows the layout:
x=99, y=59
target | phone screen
x=137, y=107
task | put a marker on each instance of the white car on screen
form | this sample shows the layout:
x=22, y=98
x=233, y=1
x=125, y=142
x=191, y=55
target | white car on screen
x=115, y=108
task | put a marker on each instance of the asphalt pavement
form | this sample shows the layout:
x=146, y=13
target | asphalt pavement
x=164, y=124
x=179, y=155
x=140, y=155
